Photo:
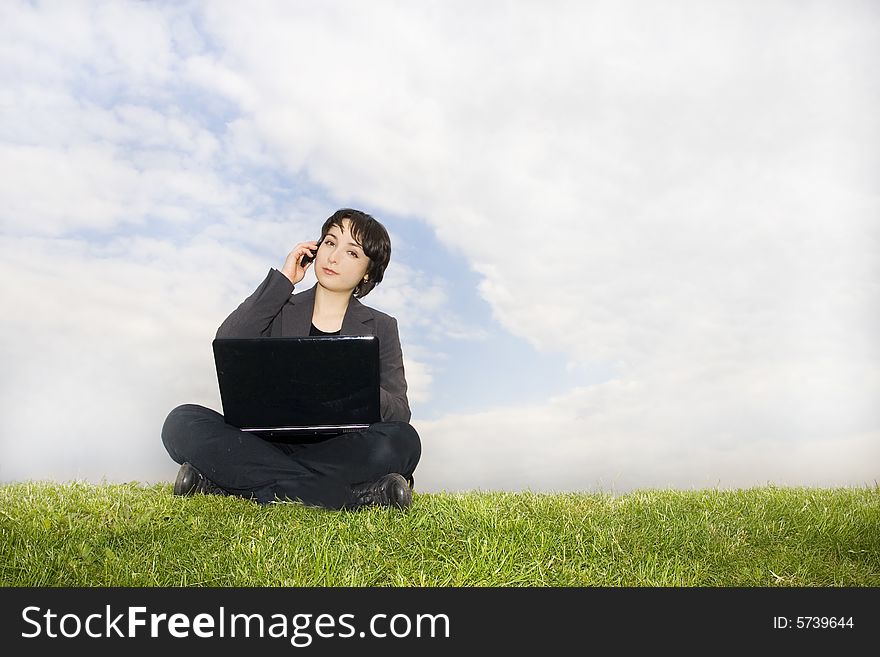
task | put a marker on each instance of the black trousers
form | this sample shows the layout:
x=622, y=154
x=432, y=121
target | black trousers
x=317, y=473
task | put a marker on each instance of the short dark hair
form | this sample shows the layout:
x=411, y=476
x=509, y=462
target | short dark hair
x=372, y=237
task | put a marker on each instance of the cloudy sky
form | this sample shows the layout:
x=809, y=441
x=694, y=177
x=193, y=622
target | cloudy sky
x=636, y=244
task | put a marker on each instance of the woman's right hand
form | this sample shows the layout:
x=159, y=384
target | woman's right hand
x=292, y=267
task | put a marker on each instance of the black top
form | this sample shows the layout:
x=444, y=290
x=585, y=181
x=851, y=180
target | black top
x=316, y=331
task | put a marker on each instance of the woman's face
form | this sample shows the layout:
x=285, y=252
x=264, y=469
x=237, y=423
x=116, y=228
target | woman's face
x=341, y=262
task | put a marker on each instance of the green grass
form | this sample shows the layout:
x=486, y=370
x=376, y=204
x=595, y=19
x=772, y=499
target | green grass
x=78, y=534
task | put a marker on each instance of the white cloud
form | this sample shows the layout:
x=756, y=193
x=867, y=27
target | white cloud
x=682, y=192
x=626, y=435
x=102, y=344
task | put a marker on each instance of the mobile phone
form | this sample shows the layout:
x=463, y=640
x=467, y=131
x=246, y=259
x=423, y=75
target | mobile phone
x=306, y=259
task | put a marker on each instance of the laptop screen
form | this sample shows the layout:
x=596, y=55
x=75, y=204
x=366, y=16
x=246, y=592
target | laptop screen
x=299, y=386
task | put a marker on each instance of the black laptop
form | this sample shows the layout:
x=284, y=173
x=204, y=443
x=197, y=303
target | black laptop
x=299, y=388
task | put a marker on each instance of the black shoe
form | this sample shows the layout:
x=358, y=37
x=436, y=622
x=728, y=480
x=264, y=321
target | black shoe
x=190, y=481
x=390, y=490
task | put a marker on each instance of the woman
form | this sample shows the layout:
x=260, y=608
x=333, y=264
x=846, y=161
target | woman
x=352, y=470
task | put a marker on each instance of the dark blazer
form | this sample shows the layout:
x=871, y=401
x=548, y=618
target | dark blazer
x=273, y=311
